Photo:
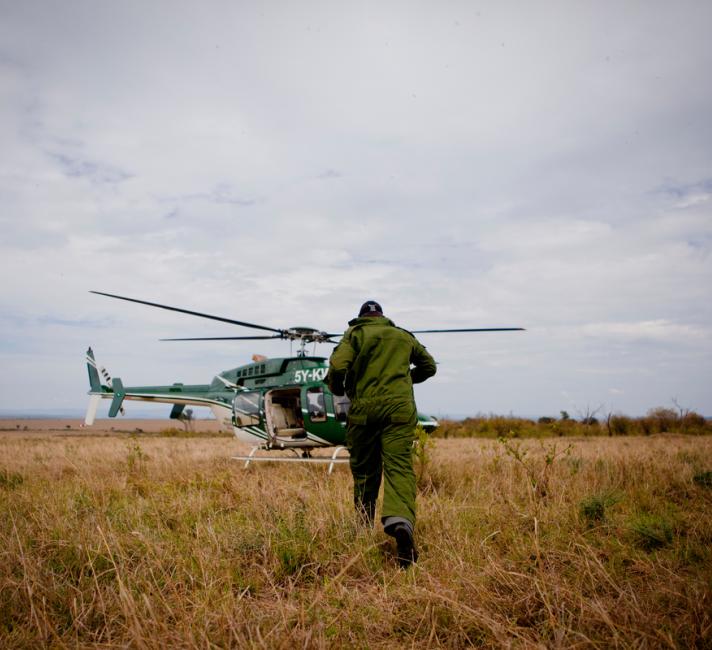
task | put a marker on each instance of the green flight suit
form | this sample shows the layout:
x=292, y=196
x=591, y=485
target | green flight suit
x=372, y=364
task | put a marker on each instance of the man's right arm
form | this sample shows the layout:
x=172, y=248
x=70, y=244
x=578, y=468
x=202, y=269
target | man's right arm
x=341, y=359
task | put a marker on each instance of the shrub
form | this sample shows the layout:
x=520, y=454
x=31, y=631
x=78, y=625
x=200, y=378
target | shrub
x=661, y=420
x=694, y=423
x=657, y=420
x=486, y=426
x=621, y=425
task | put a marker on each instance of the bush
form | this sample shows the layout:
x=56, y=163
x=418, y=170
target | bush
x=486, y=426
x=660, y=420
x=657, y=420
x=694, y=423
x=621, y=425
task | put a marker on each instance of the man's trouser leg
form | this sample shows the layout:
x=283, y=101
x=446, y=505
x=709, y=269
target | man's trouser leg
x=364, y=444
x=398, y=475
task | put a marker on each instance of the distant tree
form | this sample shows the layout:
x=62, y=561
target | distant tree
x=683, y=411
x=588, y=415
x=684, y=414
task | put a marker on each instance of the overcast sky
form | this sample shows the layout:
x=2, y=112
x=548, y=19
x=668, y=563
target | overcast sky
x=468, y=164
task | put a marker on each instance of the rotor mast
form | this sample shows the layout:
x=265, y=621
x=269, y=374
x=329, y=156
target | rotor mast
x=306, y=335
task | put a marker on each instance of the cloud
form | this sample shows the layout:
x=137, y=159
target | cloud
x=221, y=193
x=657, y=330
x=93, y=171
x=329, y=174
x=545, y=167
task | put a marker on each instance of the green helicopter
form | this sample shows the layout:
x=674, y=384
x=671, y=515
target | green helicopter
x=271, y=403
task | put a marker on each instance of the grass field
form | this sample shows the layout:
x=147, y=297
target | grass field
x=149, y=541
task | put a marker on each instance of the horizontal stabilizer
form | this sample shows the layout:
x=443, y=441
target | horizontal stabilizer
x=119, y=394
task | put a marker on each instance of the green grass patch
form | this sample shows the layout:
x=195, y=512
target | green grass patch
x=703, y=479
x=10, y=480
x=593, y=508
x=651, y=532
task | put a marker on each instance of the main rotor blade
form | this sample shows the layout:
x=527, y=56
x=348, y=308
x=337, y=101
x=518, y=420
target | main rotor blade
x=191, y=313
x=473, y=329
x=225, y=338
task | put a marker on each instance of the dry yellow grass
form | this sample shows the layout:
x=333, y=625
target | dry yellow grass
x=166, y=542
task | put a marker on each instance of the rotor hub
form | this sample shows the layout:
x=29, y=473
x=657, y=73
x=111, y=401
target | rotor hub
x=305, y=335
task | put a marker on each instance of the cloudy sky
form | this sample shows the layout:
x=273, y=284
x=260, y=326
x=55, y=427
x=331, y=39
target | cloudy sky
x=468, y=164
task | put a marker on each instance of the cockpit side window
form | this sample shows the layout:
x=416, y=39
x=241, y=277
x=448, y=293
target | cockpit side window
x=316, y=406
x=341, y=407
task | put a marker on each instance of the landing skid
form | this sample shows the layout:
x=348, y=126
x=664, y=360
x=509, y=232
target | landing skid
x=306, y=457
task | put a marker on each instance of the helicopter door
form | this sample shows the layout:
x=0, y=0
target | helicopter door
x=283, y=414
x=246, y=409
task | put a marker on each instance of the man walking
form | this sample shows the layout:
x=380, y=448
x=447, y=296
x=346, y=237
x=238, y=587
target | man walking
x=376, y=364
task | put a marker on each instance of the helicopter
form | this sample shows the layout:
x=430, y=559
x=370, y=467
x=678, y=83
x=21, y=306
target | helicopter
x=279, y=403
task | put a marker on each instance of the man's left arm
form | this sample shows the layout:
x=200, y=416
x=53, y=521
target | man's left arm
x=424, y=363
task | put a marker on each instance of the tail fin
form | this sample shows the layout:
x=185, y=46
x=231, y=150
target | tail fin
x=94, y=380
x=94, y=388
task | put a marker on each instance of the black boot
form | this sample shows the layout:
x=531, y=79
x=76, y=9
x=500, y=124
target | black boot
x=407, y=553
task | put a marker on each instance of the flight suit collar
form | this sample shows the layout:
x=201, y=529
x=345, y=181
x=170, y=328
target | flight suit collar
x=370, y=320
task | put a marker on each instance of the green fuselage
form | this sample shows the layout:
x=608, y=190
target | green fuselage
x=275, y=403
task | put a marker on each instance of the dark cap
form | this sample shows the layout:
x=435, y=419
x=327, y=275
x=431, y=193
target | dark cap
x=370, y=308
